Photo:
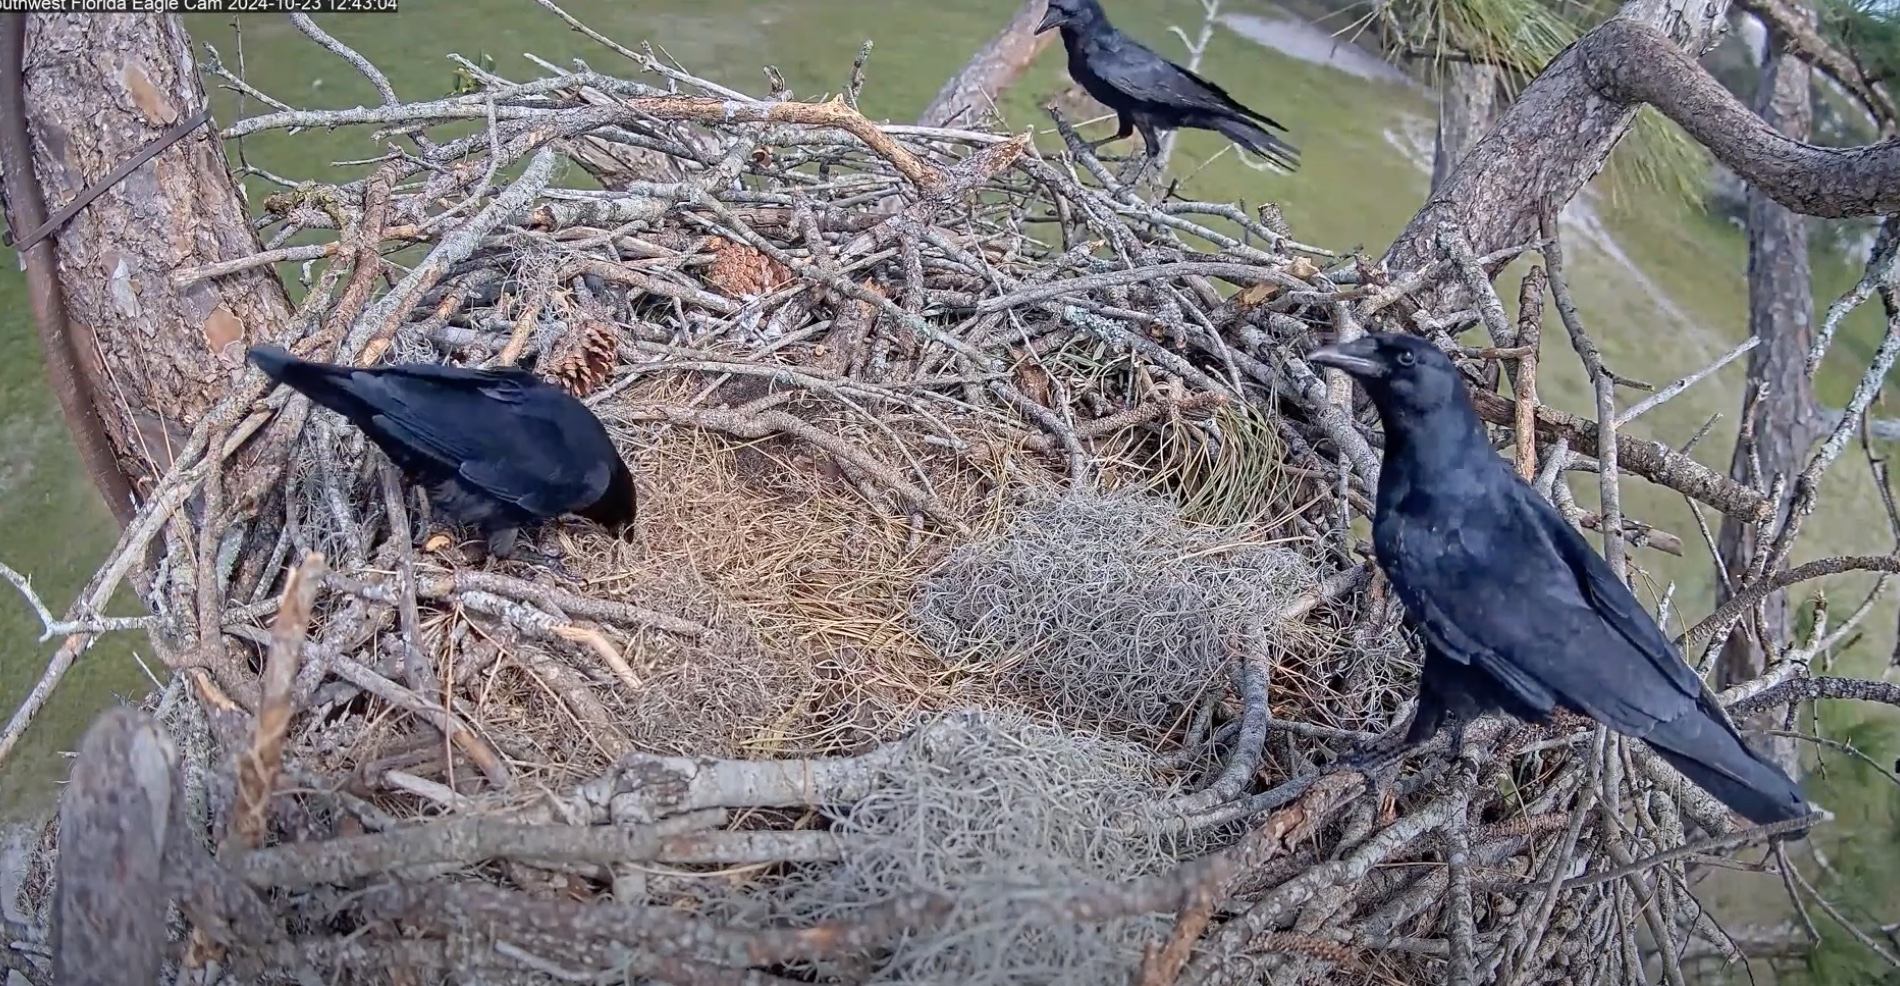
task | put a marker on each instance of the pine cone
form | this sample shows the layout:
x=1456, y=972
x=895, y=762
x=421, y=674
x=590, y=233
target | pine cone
x=738, y=270
x=583, y=357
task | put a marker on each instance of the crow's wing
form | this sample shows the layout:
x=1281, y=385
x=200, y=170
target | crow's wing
x=1502, y=582
x=1138, y=72
x=499, y=430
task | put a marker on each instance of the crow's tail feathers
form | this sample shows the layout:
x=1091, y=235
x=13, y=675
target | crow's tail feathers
x=1257, y=140
x=326, y=384
x=1716, y=760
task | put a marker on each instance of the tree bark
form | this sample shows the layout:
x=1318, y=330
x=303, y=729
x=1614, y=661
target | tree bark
x=118, y=813
x=156, y=356
x=1801, y=35
x=1557, y=134
x=26, y=210
x=1780, y=314
x=1469, y=99
x=993, y=68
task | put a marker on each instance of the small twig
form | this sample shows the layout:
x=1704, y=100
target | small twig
x=1605, y=387
x=416, y=666
x=1729, y=840
x=1866, y=941
x=1656, y=399
x=1746, y=598
x=51, y=627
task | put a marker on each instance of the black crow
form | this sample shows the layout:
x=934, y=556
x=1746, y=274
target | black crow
x=1148, y=92
x=1517, y=612
x=497, y=450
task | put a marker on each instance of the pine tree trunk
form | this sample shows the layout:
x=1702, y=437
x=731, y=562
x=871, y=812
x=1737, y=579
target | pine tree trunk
x=1780, y=314
x=1469, y=101
x=155, y=357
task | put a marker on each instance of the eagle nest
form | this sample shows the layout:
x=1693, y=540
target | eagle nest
x=993, y=614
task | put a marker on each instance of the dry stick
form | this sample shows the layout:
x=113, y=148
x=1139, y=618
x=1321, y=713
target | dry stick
x=1667, y=393
x=174, y=491
x=1478, y=283
x=1728, y=840
x=415, y=664
x=1738, y=604
x=188, y=276
x=1242, y=274
x=367, y=262
x=372, y=331
x=363, y=65
x=1807, y=486
x=1605, y=386
x=468, y=840
x=51, y=627
x=258, y=767
x=1794, y=873
x=1880, y=270
x=1529, y=339
x=607, y=652
x=573, y=605
x=1637, y=531
x=1651, y=460
x=1161, y=966
x=1747, y=699
x=1413, y=280
x=467, y=740
x=1459, y=909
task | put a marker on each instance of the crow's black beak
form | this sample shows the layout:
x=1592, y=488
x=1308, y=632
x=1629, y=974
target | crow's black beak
x=1354, y=357
x=1051, y=19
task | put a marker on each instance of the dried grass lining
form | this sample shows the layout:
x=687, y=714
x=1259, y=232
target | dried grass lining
x=987, y=621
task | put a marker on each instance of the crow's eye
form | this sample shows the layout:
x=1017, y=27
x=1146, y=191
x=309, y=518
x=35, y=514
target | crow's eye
x=1406, y=359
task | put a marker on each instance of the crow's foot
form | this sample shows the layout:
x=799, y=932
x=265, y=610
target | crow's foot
x=539, y=559
x=505, y=545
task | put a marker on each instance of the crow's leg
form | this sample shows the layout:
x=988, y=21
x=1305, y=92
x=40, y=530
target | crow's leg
x=1455, y=746
x=1125, y=129
x=503, y=544
x=1394, y=745
x=1150, y=141
x=1151, y=152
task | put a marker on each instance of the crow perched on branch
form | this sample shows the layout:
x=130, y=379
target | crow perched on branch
x=497, y=450
x=1150, y=93
x=1518, y=613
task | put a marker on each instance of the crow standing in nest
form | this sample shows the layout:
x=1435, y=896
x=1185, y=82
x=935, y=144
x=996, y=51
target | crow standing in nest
x=1518, y=614
x=1150, y=93
x=497, y=450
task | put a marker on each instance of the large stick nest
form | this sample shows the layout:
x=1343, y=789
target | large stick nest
x=991, y=616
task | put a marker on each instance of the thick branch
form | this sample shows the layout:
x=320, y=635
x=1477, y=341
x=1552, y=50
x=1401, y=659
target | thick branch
x=1795, y=27
x=1651, y=460
x=1632, y=63
x=1558, y=133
